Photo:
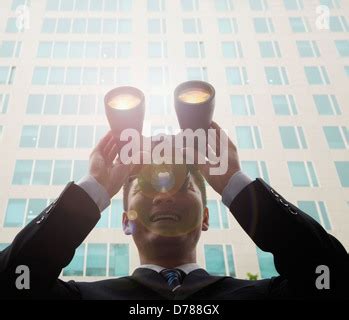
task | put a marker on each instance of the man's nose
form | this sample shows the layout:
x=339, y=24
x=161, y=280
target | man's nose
x=163, y=198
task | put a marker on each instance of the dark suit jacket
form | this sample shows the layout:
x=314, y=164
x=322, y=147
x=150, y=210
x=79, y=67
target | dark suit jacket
x=299, y=244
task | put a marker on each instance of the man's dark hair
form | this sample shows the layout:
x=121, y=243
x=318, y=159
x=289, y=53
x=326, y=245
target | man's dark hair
x=194, y=172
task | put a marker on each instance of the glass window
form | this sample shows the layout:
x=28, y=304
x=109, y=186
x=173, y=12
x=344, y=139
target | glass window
x=96, y=5
x=342, y=47
x=269, y=49
x=52, y=104
x=334, y=137
x=42, y=172
x=297, y=24
x=73, y=76
x=342, y=168
x=94, y=25
x=4, y=75
x=70, y=104
x=52, y=5
x=62, y=172
x=76, y=50
x=92, y=50
x=124, y=26
x=84, y=137
x=223, y=5
x=156, y=5
x=80, y=169
x=44, y=50
x=63, y=25
x=56, y=75
x=22, y=173
x=276, y=75
x=81, y=5
x=307, y=49
x=266, y=264
x=262, y=25
x=60, y=50
x=325, y=105
x=87, y=104
x=191, y=26
x=194, y=49
x=316, y=75
x=226, y=25
x=214, y=258
x=15, y=213
x=155, y=49
x=291, y=137
x=212, y=206
x=236, y=75
x=242, y=105
x=302, y=175
x=123, y=50
x=255, y=169
x=67, y=5
x=317, y=211
x=7, y=49
x=245, y=137
x=76, y=265
x=108, y=50
x=4, y=101
x=48, y=25
x=11, y=26
x=231, y=50
x=47, y=137
x=197, y=73
x=118, y=260
x=90, y=76
x=155, y=26
x=79, y=25
x=123, y=75
x=66, y=137
x=293, y=4
x=96, y=261
x=189, y=5
x=35, y=207
x=35, y=103
x=257, y=5
x=29, y=137
x=40, y=76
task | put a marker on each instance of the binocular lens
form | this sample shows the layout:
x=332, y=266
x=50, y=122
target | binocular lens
x=194, y=95
x=124, y=101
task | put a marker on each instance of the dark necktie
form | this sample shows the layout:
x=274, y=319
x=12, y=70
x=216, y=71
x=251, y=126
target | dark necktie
x=174, y=277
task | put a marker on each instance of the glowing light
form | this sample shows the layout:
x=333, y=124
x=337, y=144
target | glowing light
x=132, y=214
x=124, y=101
x=194, y=95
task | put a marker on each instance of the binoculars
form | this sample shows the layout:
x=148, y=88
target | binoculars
x=193, y=101
x=194, y=105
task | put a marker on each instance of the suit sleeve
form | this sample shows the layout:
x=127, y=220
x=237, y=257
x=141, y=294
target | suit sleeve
x=298, y=242
x=47, y=244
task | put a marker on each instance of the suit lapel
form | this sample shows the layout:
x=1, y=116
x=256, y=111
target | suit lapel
x=152, y=280
x=195, y=281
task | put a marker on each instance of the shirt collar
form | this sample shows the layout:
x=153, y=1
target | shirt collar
x=186, y=268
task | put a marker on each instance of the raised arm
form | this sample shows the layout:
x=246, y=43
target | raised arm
x=48, y=243
x=299, y=244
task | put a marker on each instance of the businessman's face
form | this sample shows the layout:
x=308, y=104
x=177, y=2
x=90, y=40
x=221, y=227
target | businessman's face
x=164, y=218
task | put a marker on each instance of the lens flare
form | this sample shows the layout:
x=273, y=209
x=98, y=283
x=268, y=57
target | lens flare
x=194, y=95
x=132, y=214
x=124, y=101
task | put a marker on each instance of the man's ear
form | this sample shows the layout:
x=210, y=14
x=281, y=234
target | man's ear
x=126, y=224
x=205, y=220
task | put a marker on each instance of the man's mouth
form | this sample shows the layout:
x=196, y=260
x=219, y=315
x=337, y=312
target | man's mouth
x=164, y=215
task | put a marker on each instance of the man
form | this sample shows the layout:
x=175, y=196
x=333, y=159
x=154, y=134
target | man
x=166, y=227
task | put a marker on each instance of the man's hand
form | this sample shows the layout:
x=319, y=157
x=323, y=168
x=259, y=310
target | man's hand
x=218, y=182
x=108, y=170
